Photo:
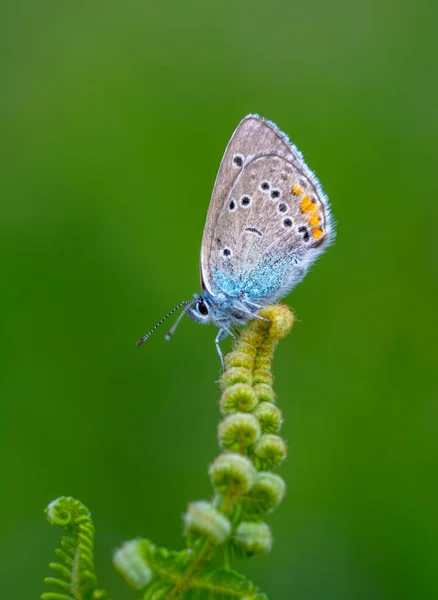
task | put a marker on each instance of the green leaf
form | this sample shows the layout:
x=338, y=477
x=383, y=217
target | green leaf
x=222, y=584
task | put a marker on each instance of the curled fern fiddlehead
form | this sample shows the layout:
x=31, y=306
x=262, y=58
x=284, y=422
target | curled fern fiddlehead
x=232, y=524
x=75, y=572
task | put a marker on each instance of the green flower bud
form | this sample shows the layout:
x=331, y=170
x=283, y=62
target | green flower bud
x=264, y=359
x=238, y=398
x=269, y=451
x=254, y=538
x=235, y=375
x=246, y=346
x=267, y=492
x=251, y=336
x=130, y=562
x=238, y=431
x=270, y=417
x=281, y=319
x=202, y=518
x=232, y=473
x=265, y=393
x=261, y=376
x=239, y=359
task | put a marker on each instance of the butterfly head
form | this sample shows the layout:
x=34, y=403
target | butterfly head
x=201, y=310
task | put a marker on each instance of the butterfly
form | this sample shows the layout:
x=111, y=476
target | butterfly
x=267, y=222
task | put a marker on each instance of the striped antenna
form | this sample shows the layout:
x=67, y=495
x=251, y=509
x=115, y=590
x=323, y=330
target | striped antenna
x=171, y=331
x=186, y=304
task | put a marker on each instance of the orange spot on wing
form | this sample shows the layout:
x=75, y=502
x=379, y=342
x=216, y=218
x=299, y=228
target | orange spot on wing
x=314, y=219
x=296, y=190
x=317, y=233
x=307, y=205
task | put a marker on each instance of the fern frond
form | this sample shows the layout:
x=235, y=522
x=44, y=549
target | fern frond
x=162, y=573
x=245, y=488
x=75, y=573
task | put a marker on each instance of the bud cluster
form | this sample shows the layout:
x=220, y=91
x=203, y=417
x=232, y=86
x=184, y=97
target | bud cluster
x=245, y=488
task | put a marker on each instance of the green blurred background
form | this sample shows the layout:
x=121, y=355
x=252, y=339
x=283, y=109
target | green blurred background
x=113, y=120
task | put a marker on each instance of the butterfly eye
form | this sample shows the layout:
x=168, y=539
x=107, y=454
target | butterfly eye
x=202, y=307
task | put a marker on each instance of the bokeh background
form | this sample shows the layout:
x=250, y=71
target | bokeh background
x=113, y=120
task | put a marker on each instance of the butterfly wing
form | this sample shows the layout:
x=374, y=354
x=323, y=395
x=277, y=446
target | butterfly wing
x=272, y=223
x=254, y=135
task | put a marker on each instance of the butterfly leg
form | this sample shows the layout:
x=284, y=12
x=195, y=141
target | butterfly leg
x=222, y=334
x=246, y=309
x=252, y=304
x=259, y=318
